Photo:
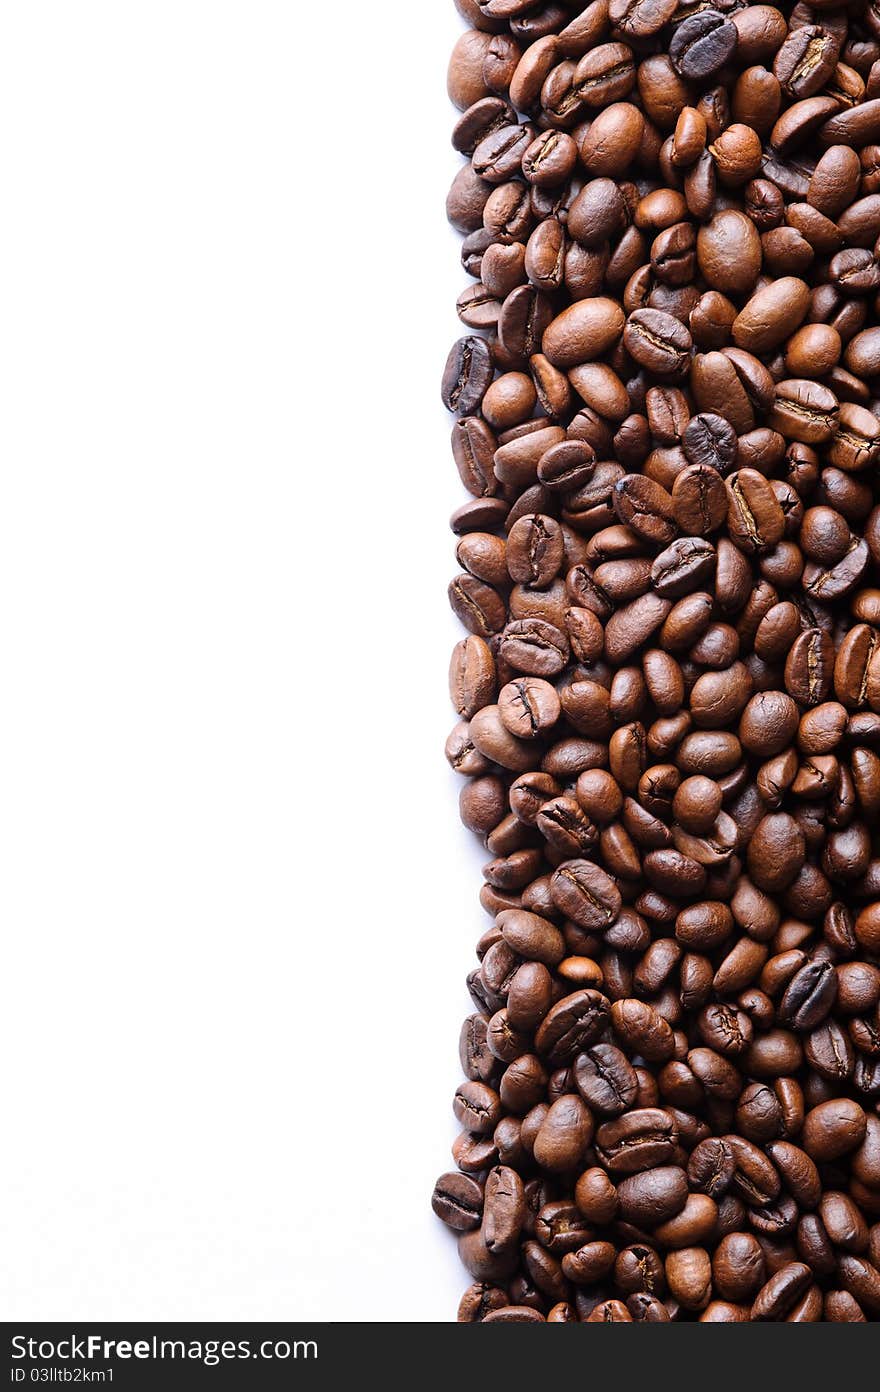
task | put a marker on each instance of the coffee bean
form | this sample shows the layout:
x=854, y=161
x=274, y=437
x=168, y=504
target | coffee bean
x=702, y=44
x=467, y=375
x=630, y=627
x=809, y=996
x=833, y=1129
x=809, y=667
x=528, y=706
x=458, y=1201
x=658, y=342
x=574, y=1022
x=605, y=74
x=477, y=605
x=586, y=894
x=683, y=567
x=646, y=508
x=806, y=60
x=804, y=411
x=564, y=1135
x=643, y=1029
x=605, y=1079
x=637, y=1141
x=534, y=647
x=535, y=550
x=583, y=332
x=471, y=676
x=755, y=520
x=640, y=18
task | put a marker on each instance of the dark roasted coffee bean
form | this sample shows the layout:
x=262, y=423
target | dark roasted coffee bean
x=809, y=996
x=640, y=19
x=710, y=441
x=702, y=44
x=637, y=1141
x=777, y=1298
x=467, y=374
x=809, y=667
x=605, y=1079
x=755, y=520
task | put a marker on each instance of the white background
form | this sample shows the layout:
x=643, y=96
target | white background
x=236, y=905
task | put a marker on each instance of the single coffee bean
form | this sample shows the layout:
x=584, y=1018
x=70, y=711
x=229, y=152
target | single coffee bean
x=804, y=411
x=809, y=667
x=640, y=18
x=833, y=1129
x=458, y=1201
x=658, y=342
x=586, y=894
x=682, y=568
x=702, y=44
x=467, y=375
x=574, y=1022
x=605, y=1079
x=754, y=518
x=583, y=332
x=806, y=60
x=646, y=508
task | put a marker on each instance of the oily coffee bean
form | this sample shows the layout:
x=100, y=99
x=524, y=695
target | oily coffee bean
x=683, y=567
x=606, y=1079
x=702, y=44
x=709, y=440
x=755, y=519
x=467, y=375
x=699, y=500
x=658, y=342
x=667, y=696
x=646, y=508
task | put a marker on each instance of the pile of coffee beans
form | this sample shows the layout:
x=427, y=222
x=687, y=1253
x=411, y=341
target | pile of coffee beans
x=667, y=417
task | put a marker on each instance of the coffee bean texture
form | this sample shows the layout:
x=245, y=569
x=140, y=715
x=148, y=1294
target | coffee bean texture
x=665, y=407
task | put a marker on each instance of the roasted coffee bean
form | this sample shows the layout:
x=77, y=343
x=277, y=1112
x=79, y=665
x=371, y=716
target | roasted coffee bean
x=754, y=518
x=833, y=1129
x=682, y=568
x=702, y=44
x=809, y=996
x=809, y=667
x=643, y=1029
x=467, y=375
x=458, y=1200
x=778, y=1297
x=574, y=1022
x=804, y=411
x=586, y=894
x=637, y=1141
x=658, y=342
x=605, y=1079
x=709, y=441
x=771, y=315
x=646, y=508
x=806, y=60
x=583, y=332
